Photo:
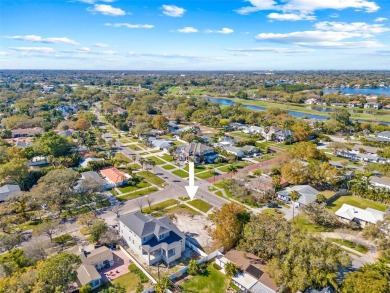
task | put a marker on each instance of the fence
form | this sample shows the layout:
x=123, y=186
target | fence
x=194, y=248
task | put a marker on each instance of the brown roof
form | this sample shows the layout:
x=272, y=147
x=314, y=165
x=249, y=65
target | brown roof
x=253, y=265
x=114, y=175
x=29, y=131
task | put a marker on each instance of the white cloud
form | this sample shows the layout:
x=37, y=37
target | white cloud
x=173, y=11
x=187, y=30
x=380, y=19
x=34, y=49
x=107, y=10
x=318, y=38
x=129, y=25
x=224, y=31
x=290, y=16
x=4, y=53
x=102, y=45
x=308, y=5
x=365, y=29
x=272, y=49
x=39, y=39
x=84, y=49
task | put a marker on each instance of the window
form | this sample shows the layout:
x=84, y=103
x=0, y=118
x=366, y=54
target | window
x=162, y=236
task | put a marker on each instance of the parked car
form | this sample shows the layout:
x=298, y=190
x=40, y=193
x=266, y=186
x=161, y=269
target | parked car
x=272, y=205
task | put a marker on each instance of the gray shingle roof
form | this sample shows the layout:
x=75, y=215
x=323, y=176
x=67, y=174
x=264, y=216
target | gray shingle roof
x=8, y=190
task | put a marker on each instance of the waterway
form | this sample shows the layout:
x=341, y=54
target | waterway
x=361, y=91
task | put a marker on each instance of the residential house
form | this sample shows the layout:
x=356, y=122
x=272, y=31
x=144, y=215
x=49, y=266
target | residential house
x=225, y=141
x=162, y=144
x=237, y=126
x=8, y=190
x=262, y=184
x=94, y=179
x=283, y=135
x=311, y=101
x=24, y=132
x=354, y=104
x=252, y=276
x=366, y=149
x=250, y=150
x=327, y=289
x=38, y=161
x=84, y=163
x=384, y=134
x=235, y=151
x=307, y=194
x=91, y=263
x=153, y=239
x=115, y=177
x=198, y=152
x=372, y=105
x=382, y=182
x=365, y=217
x=66, y=133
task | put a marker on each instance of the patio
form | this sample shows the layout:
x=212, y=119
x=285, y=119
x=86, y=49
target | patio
x=120, y=267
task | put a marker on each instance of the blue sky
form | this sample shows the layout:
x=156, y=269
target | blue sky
x=195, y=34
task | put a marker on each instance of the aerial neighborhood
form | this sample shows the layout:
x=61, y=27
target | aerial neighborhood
x=95, y=169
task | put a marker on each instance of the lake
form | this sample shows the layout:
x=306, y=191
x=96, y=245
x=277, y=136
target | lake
x=361, y=91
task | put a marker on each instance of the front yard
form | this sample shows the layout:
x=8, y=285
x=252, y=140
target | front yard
x=200, y=205
x=130, y=188
x=211, y=281
x=180, y=173
x=152, y=178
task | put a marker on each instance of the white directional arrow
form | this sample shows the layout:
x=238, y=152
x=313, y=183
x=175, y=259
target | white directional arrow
x=191, y=188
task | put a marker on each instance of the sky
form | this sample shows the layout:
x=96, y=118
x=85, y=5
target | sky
x=195, y=34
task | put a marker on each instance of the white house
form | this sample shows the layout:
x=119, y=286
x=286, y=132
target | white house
x=307, y=194
x=235, y=151
x=38, y=161
x=84, y=163
x=382, y=182
x=349, y=213
x=153, y=239
x=384, y=135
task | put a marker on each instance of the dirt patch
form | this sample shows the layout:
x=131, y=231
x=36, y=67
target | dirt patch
x=197, y=227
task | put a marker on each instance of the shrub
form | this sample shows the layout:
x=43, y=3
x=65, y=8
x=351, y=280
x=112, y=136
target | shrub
x=217, y=267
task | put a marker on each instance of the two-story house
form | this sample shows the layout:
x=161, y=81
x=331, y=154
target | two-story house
x=153, y=239
x=197, y=152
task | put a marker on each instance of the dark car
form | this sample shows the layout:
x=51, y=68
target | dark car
x=272, y=205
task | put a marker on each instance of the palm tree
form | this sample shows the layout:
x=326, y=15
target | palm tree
x=232, y=170
x=142, y=161
x=294, y=195
x=152, y=163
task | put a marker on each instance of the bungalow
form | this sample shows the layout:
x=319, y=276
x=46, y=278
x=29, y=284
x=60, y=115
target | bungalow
x=237, y=126
x=252, y=276
x=250, y=150
x=198, y=152
x=66, y=133
x=366, y=149
x=365, y=217
x=92, y=178
x=85, y=162
x=8, y=190
x=235, y=151
x=372, y=105
x=153, y=239
x=311, y=101
x=307, y=194
x=354, y=104
x=24, y=132
x=382, y=182
x=91, y=263
x=38, y=161
x=115, y=177
x=162, y=144
x=384, y=134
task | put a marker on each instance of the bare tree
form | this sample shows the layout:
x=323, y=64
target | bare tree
x=149, y=201
x=49, y=228
x=140, y=203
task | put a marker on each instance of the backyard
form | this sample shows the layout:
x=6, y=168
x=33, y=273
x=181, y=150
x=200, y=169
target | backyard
x=211, y=281
x=356, y=201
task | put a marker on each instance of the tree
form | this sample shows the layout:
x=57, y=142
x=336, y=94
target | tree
x=142, y=161
x=153, y=164
x=228, y=227
x=116, y=288
x=295, y=172
x=81, y=124
x=9, y=241
x=48, y=228
x=160, y=122
x=163, y=284
x=58, y=272
x=294, y=195
x=337, y=146
x=306, y=151
x=320, y=198
x=193, y=267
x=232, y=170
x=97, y=229
x=342, y=116
x=87, y=219
x=258, y=172
x=301, y=131
x=85, y=289
x=50, y=143
x=14, y=170
x=231, y=269
x=189, y=137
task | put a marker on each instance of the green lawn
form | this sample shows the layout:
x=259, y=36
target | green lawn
x=205, y=175
x=200, y=205
x=155, y=151
x=138, y=193
x=168, y=167
x=302, y=222
x=134, y=147
x=357, y=202
x=160, y=206
x=167, y=158
x=152, y=178
x=273, y=212
x=181, y=208
x=180, y=173
x=213, y=281
x=135, y=166
x=239, y=165
x=177, y=142
x=219, y=193
x=122, y=157
x=240, y=134
x=197, y=169
x=130, y=188
x=143, y=153
x=350, y=244
x=128, y=281
x=158, y=161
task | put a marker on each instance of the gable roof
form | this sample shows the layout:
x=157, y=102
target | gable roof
x=308, y=193
x=97, y=255
x=8, y=190
x=351, y=212
x=87, y=273
x=196, y=148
